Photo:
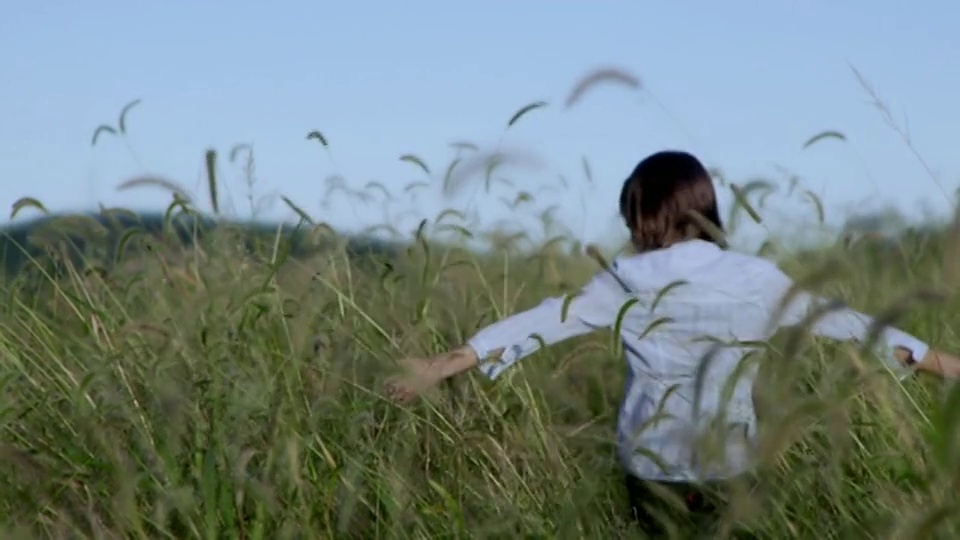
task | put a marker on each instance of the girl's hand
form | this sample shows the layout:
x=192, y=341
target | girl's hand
x=419, y=375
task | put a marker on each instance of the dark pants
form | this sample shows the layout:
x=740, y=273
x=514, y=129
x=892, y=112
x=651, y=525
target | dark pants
x=694, y=509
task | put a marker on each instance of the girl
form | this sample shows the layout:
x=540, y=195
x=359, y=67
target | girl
x=675, y=378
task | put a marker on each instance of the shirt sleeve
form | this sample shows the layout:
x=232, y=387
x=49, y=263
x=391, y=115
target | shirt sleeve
x=595, y=307
x=834, y=320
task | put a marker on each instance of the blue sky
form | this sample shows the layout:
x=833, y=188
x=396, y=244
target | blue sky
x=741, y=84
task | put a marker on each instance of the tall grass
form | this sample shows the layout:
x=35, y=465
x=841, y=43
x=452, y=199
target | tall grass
x=229, y=390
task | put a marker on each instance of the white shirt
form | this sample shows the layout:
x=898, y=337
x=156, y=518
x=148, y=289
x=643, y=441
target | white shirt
x=712, y=293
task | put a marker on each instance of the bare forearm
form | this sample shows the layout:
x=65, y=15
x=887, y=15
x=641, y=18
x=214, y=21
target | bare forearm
x=455, y=361
x=421, y=374
x=941, y=364
x=936, y=362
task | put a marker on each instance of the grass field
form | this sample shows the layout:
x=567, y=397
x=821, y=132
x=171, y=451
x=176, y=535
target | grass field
x=228, y=390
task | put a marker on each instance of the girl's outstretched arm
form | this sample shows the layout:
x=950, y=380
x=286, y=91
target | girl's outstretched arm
x=501, y=344
x=902, y=352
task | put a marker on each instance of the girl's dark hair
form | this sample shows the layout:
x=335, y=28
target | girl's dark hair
x=669, y=198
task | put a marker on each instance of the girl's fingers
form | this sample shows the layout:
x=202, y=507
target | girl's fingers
x=398, y=391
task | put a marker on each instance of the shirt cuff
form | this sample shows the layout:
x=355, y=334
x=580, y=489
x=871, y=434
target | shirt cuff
x=490, y=367
x=918, y=350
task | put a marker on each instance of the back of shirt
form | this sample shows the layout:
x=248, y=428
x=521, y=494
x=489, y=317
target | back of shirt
x=695, y=304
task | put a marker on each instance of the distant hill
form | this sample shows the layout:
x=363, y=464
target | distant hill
x=104, y=239
x=99, y=237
